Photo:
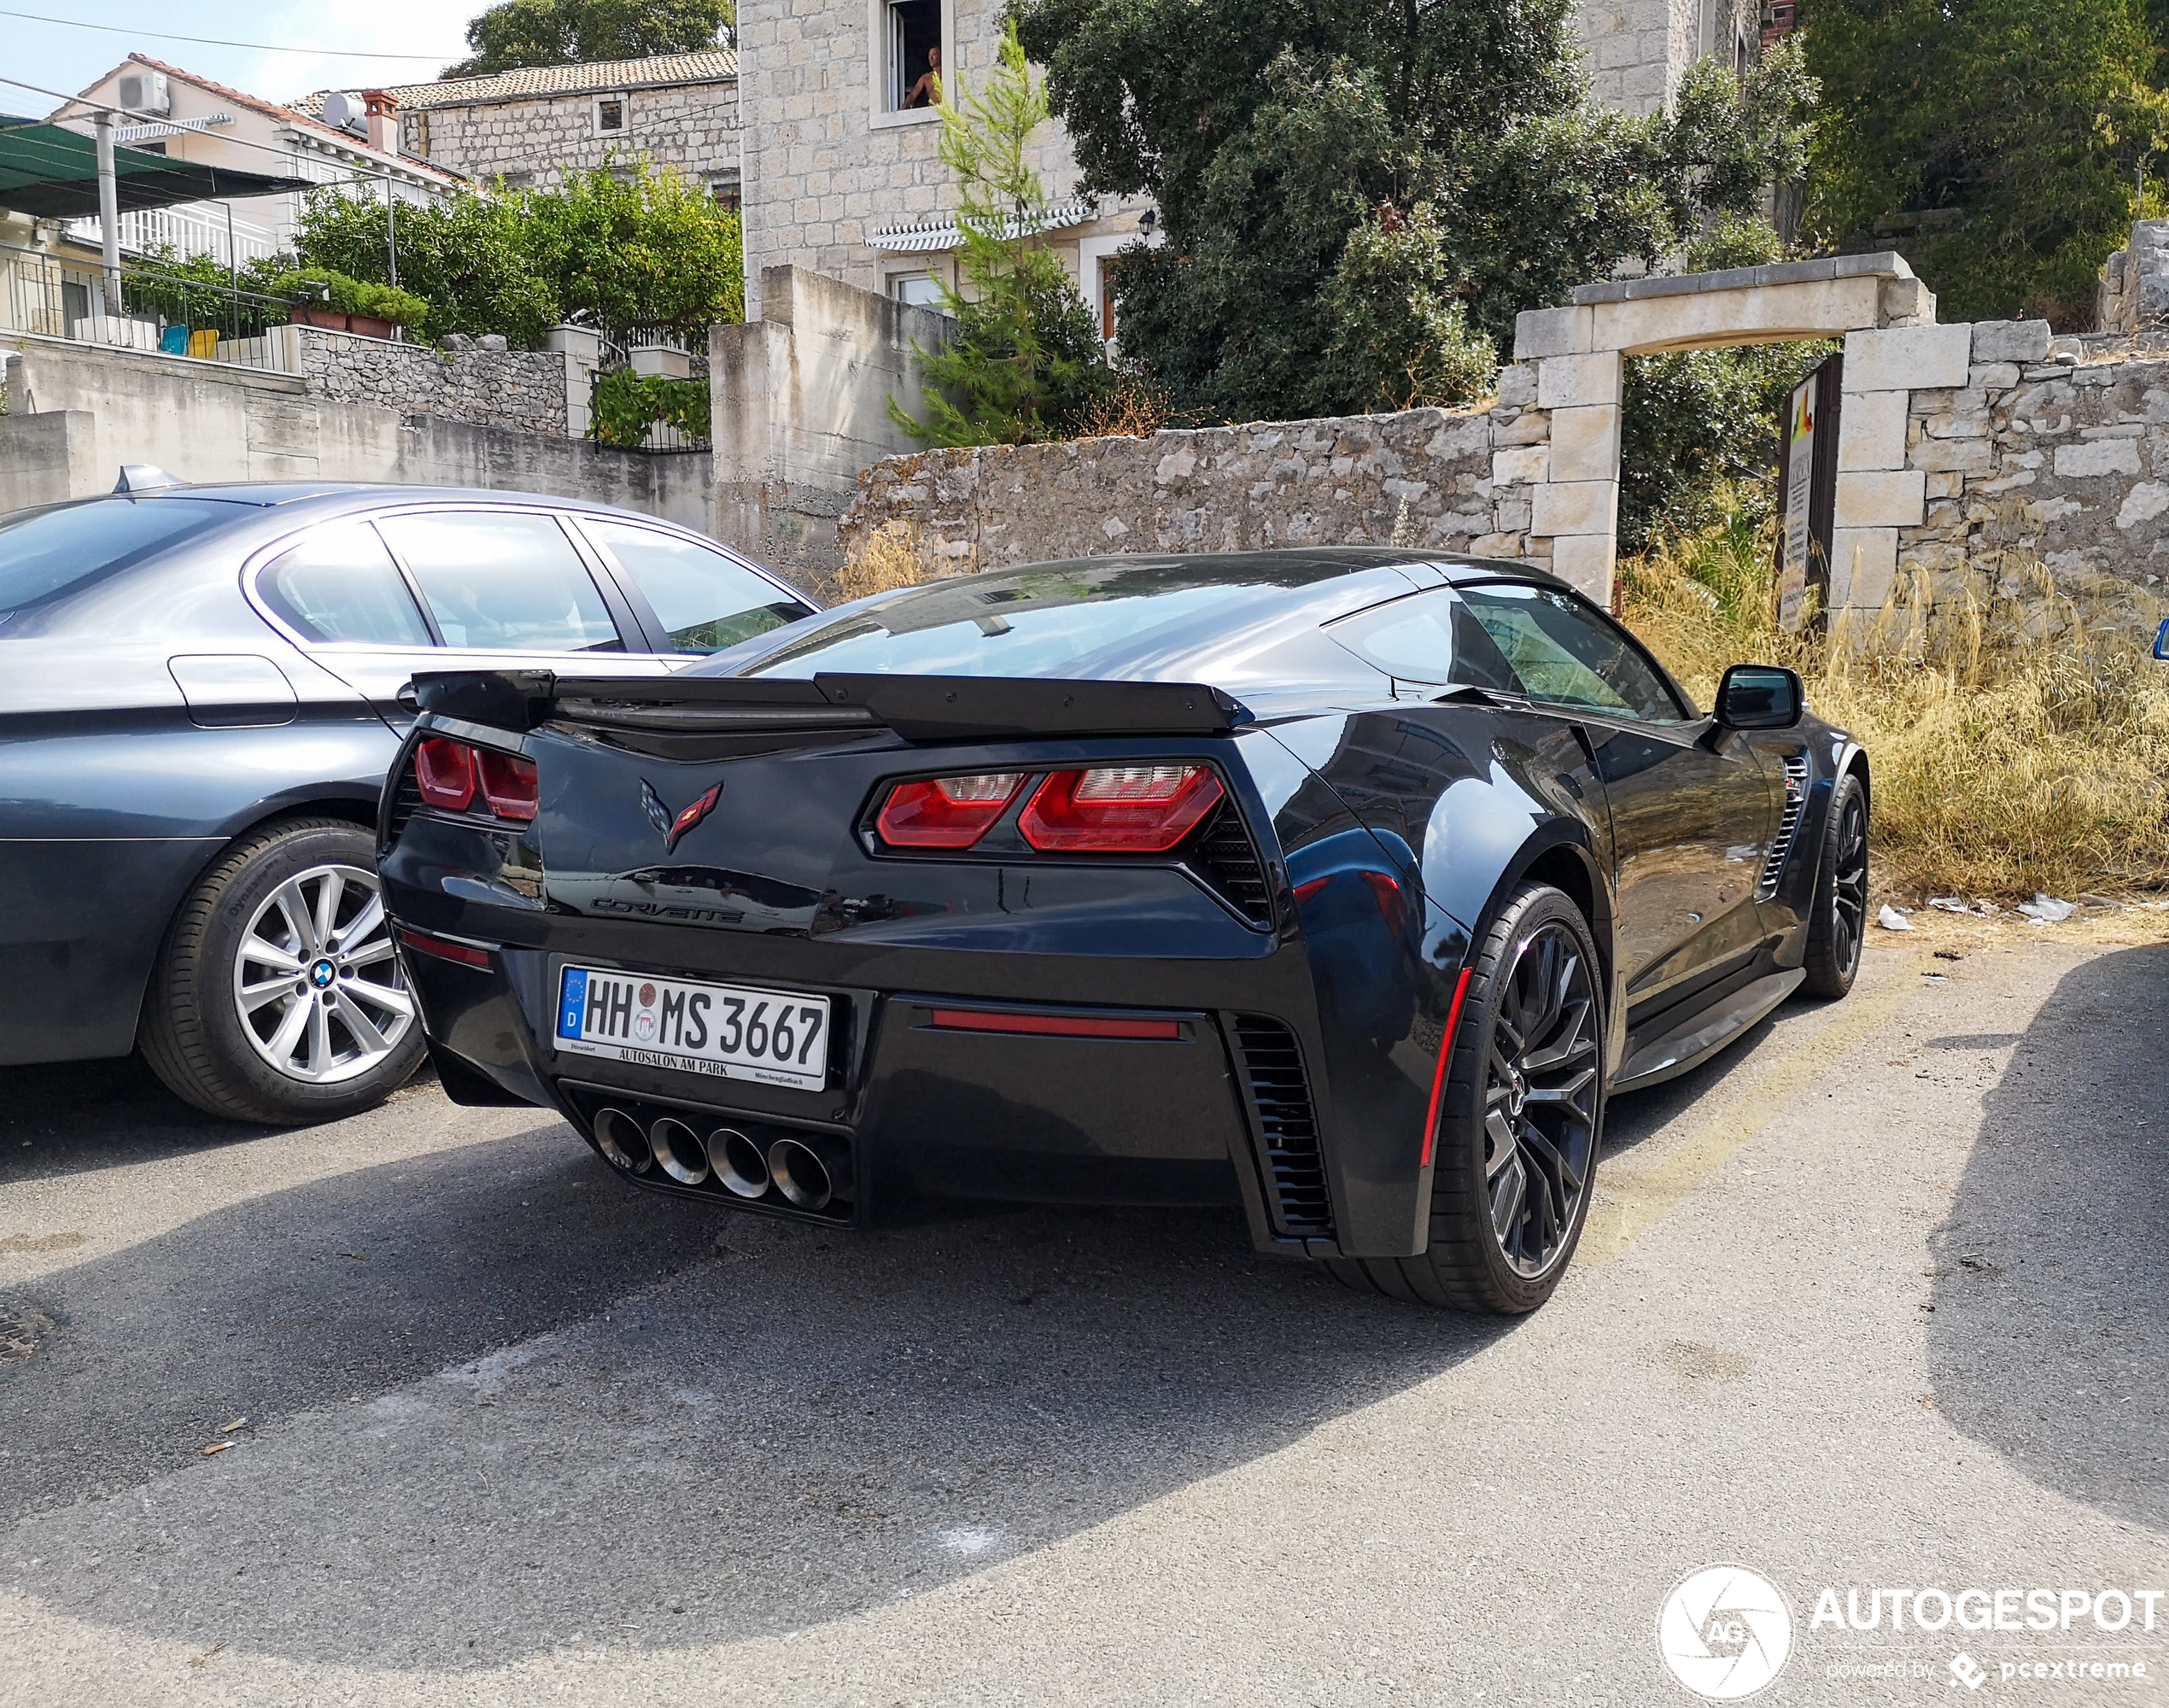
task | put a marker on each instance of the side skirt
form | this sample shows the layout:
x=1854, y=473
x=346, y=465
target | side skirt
x=1695, y=1039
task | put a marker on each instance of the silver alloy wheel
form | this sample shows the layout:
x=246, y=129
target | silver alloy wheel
x=315, y=980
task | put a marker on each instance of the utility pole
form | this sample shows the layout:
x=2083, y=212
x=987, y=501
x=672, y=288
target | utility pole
x=109, y=213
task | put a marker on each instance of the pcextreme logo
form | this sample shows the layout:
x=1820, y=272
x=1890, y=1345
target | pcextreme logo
x=1725, y=1632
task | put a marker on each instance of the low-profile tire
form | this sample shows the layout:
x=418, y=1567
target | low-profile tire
x=277, y=997
x=1838, y=926
x=1520, y=1121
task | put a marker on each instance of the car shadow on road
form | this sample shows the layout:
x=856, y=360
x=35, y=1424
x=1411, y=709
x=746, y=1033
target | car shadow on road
x=2051, y=1285
x=746, y=1427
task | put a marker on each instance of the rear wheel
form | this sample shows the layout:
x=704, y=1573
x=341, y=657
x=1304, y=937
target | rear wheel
x=1838, y=925
x=277, y=997
x=1520, y=1121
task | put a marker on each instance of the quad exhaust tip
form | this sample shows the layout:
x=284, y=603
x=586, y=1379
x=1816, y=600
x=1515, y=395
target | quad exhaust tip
x=739, y=1165
x=678, y=1147
x=799, y=1175
x=620, y=1138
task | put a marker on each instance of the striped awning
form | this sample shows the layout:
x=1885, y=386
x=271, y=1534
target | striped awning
x=926, y=236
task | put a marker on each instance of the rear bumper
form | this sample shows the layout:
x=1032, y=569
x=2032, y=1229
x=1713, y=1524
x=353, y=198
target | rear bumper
x=917, y=1106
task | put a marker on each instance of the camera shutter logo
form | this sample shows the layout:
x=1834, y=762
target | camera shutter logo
x=1725, y=1632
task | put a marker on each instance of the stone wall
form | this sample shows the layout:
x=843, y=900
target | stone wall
x=538, y=141
x=75, y=412
x=1421, y=478
x=478, y=381
x=2039, y=459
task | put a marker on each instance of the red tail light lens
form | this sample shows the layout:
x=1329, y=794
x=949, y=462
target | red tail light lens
x=1120, y=809
x=947, y=812
x=451, y=774
x=509, y=784
x=445, y=772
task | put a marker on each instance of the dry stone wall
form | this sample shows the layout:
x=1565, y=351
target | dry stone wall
x=1421, y=478
x=477, y=381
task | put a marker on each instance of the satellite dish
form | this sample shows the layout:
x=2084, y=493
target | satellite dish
x=342, y=112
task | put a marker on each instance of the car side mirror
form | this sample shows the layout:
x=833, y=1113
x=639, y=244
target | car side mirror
x=1761, y=697
x=2162, y=639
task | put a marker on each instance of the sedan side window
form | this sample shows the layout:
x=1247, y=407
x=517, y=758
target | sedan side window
x=506, y=581
x=1430, y=638
x=1567, y=655
x=706, y=601
x=340, y=584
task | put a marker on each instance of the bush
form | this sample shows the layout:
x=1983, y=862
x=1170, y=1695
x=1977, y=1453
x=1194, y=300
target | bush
x=624, y=404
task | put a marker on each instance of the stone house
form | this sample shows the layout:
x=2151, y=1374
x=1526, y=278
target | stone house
x=535, y=127
x=842, y=177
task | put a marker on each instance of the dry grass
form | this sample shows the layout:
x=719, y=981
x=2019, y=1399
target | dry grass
x=2018, y=744
x=1132, y=408
x=894, y=555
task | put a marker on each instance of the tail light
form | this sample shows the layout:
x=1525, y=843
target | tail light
x=451, y=774
x=1119, y=809
x=947, y=812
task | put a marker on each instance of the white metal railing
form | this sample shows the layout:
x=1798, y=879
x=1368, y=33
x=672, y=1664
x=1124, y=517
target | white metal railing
x=159, y=313
x=189, y=231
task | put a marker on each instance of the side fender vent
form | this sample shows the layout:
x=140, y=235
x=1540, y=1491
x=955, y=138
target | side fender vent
x=1788, y=824
x=1278, y=1094
x=406, y=800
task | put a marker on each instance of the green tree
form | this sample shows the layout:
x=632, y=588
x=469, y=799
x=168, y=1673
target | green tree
x=1996, y=144
x=1024, y=356
x=522, y=32
x=1355, y=195
x=467, y=257
x=645, y=249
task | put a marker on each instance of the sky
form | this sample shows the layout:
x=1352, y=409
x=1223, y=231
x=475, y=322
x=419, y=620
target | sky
x=66, y=57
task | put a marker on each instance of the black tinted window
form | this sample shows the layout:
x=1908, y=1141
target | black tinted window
x=705, y=600
x=340, y=584
x=1565, y=654
x=1428, y=637
x=503, y=579
x=43, y=551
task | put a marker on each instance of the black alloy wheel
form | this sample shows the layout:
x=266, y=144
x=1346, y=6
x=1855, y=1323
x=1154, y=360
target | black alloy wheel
x=1520, y=1121
x=1838, y=925
x=1540, y=1120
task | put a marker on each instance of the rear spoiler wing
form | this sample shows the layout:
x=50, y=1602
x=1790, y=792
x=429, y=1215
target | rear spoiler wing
x=916, y=708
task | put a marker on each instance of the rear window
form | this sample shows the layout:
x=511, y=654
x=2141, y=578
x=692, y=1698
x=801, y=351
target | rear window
x=1028, y=623
x=47, y=552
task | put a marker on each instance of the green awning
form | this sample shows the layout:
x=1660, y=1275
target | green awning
x=52, y=174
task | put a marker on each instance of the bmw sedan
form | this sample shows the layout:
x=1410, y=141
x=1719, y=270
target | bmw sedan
x=200, y=691
x=1342, y=886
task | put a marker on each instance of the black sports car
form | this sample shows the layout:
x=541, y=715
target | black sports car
x=201, y=687
x=1339, y=884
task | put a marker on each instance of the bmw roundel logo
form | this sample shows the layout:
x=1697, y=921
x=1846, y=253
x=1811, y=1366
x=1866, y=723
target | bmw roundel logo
x=321, y=974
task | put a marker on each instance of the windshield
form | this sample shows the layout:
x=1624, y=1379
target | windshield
x=46, y=552
x=1043, y=622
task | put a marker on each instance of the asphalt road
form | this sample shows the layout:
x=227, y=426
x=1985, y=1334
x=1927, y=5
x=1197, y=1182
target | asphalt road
x=1875, y=1301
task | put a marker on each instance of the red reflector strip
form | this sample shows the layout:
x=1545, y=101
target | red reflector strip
x=444, y=948
x=1438, y=1076
x=1054, y=1026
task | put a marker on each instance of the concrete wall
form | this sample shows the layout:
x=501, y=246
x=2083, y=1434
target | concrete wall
x=801, y=406
x=76, y=412
x=523, y=390
x=1421, y=478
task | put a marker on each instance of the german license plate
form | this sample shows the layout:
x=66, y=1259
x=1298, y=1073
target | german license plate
x=730, y=1031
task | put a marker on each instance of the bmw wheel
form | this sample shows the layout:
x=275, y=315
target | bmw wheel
x=278, y=997
x=1520, y=1122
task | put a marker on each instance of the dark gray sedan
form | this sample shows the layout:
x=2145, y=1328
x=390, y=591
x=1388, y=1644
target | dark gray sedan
x=200, y=691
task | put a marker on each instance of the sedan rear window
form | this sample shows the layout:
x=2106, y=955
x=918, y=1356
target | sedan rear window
x=47, y=552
